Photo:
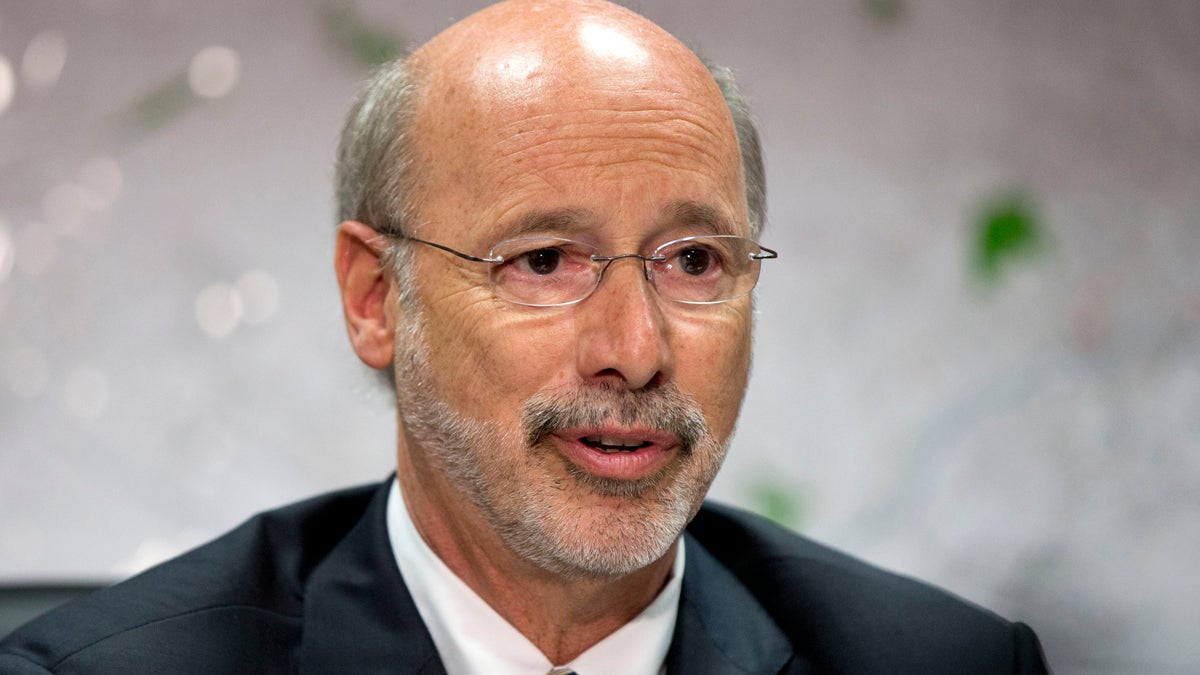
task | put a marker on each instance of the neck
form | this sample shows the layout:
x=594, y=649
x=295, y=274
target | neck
x=562, y=615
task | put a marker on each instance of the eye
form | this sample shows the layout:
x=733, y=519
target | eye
x=541, y=261
x=695, y=260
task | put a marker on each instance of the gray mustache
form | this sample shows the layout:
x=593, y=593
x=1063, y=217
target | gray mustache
x=663, y=408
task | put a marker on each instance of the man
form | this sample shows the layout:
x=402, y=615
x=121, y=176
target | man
x=547, y=239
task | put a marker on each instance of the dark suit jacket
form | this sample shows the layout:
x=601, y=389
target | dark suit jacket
x=313, y=588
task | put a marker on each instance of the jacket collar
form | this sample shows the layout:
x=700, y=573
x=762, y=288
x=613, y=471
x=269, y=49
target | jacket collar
x=722, y=629
x=358, y=614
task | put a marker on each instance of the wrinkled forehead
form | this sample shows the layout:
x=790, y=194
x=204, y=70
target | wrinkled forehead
x=551, y=82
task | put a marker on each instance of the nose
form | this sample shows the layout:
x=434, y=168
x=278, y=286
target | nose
x=623, y=336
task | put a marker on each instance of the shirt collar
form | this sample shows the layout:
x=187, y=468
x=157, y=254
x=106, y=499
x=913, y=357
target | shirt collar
x=472, y=638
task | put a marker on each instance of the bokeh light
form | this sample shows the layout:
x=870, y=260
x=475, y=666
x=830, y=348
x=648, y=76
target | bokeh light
x=260, y=295
x=8, y=84
x=8, y=253
x=214, y=72
x=44, y=59
x=219, y=309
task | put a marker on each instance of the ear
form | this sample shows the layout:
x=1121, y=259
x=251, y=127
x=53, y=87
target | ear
x=365, y=288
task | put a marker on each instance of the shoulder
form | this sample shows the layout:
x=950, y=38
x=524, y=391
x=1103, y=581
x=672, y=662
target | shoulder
x=847, y=611
x=246, y=587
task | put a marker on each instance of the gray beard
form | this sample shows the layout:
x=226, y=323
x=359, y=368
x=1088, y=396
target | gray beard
x=539, y=521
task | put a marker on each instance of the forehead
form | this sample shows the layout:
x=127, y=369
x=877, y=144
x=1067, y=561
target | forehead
x=610, y=127
x=700, y=217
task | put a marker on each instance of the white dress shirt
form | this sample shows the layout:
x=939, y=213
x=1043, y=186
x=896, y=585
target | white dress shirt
x=472, y=638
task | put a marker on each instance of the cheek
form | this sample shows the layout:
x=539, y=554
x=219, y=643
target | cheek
x=492, y=358
x=712, y=364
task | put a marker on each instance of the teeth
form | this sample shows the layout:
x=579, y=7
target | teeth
x=615, y=442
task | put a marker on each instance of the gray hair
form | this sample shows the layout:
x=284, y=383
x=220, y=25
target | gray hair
x=375, y=168
x=374, y=156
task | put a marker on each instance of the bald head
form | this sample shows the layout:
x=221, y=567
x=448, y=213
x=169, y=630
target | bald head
x=521, y=48
x=503, y=81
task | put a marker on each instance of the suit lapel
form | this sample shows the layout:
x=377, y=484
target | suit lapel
x=360, y=618
x=722, y=629
x=358, y=614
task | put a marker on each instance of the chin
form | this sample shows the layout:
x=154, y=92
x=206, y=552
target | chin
x=585, y=526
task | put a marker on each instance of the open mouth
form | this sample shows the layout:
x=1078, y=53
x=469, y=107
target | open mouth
x=611, y=445
x=617, y=452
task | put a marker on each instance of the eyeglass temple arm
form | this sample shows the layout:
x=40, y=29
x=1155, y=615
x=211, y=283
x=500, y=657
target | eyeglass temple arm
x=767, y=254
x=465, y=256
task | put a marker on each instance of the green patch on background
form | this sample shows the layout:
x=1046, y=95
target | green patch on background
x=158, y=107
x=345, y=27
x=779, y=501
x=1007, y=228
x=885, y=11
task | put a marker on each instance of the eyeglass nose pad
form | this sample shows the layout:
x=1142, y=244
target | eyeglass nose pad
x=609, y=260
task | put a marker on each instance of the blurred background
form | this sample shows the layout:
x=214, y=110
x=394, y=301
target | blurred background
x=978, y=355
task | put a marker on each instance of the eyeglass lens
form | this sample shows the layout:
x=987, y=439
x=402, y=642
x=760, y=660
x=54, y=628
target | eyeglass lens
x=548, y=271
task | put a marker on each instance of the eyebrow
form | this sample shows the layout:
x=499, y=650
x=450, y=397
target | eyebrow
x=557, y=221
x=693, y=213
x=568, y=221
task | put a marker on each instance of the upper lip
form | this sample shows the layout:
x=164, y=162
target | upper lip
x=619, y=435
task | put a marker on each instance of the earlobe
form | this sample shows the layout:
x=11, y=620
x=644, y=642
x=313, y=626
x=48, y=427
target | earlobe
x=365, y=290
